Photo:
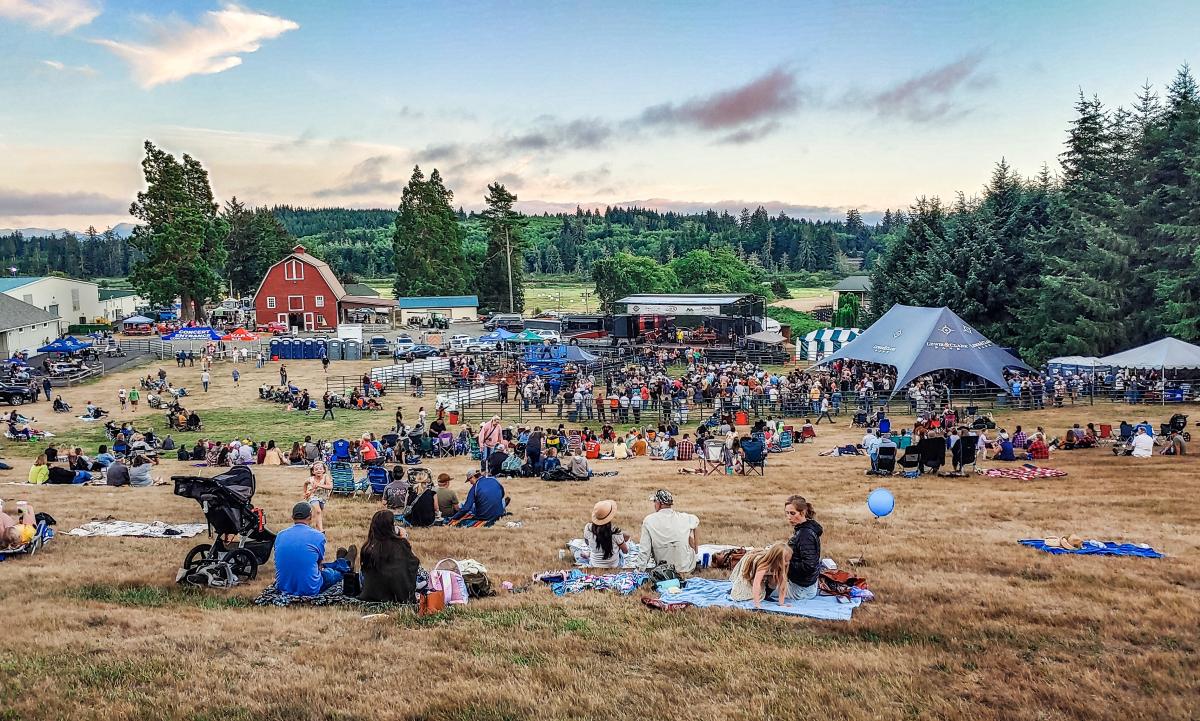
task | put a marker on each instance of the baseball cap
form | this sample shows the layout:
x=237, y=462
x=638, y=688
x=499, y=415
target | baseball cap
x=301, y=511
x=664, y=497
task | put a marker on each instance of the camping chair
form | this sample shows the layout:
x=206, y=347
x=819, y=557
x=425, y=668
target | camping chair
x=885, y=461
x=885, y=426
x=1127, y=432
x=1105, y=432
x=713, y=458
x=426, y=446
x=965, y=451
x=377, y=479
x=754, y=457
x=933, y=454
x=807, y=433
x=574, y=442
x=341, y=450
x=344, y=484
x=785, y=440
x=860, y=420
x=41, y=537
x=911, y=460
x=445, y=444
x=476, y=453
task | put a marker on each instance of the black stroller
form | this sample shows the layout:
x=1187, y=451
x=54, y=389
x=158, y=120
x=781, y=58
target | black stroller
x=1178, y=424
x=242, y=542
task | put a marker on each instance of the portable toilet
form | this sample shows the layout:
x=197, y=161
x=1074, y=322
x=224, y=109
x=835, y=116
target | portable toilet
x=295, y=349
x=335, y=349
x=285, y=348
x=275, y=351
x=320, y=348
x=352, y=349
x=310, y=349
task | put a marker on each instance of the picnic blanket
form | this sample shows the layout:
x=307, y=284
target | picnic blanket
x=708, y=593
x=157, y=529
x=1026, y=472
x=332, y=596
x=624, y=583
x=583, y=554
x=1097, y=548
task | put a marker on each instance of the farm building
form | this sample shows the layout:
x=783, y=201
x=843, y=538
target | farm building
x=302, y=292
x=75, y=301
x=453, y=307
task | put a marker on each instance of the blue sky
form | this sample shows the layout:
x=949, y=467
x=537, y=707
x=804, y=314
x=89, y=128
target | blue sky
x=814, y=107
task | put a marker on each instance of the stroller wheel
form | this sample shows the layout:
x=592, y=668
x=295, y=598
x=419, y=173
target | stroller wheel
x=243, y=564
x=196, y=554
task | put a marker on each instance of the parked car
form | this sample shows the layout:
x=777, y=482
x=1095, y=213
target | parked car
x=510, y=322
x=550, y=335
x=404, y=344
x=15, y=395
x=459, y=343
x=424, y=351
x=379, y=344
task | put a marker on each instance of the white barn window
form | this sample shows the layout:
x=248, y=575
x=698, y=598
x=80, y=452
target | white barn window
x=270, y=301
x=293, y=270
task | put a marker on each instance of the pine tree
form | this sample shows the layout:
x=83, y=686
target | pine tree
x=502, y=263
x=427, y=240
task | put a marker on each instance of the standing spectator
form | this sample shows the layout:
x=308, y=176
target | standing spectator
x=134, y=396
x=204, y=379
x=283, y=375
x=327, y=401
x=236, y=377
x=46, y=387
x=123, y=399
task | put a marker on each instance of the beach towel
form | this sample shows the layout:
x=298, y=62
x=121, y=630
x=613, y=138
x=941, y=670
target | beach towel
x=1097, y=548
x=157, y=529
x=706, y=593
x=624, y=583
x=1026, y=472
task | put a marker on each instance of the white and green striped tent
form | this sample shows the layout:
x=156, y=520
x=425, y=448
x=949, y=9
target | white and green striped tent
x=823, y=341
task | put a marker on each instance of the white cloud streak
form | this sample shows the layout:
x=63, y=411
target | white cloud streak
x=211, y=46
x=64, y=68
x=57, y=16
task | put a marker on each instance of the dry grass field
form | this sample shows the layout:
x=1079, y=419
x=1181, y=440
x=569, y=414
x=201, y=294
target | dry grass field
x=967, y=625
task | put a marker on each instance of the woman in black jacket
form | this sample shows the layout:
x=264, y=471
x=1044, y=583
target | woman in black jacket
x=806, y=549
x=389, y=567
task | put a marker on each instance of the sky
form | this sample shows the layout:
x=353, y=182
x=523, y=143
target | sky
x=809, y=108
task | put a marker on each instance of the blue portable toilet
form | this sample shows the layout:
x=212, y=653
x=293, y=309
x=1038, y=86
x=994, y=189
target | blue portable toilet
x=310, y=349
x=275, y=351
x=335, y=350
x=321, y=348
x=294, y=351
x=352, y=349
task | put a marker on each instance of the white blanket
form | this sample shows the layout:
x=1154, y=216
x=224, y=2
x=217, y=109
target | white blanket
x=157, y=529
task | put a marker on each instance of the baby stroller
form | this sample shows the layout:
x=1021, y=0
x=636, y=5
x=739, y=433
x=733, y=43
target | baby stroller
x=154, y=401
x=226, y=500
x=1178, y=424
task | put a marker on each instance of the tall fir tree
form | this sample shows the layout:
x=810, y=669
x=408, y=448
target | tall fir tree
x=427, y=240
x=501, y=278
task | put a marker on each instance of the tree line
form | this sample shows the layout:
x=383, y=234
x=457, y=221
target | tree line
x=1101, y=257
x=90, y=255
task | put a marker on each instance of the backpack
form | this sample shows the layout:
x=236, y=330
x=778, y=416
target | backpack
x=478, y=585
x=663, y=572
x=727, y=559
x=839, y=583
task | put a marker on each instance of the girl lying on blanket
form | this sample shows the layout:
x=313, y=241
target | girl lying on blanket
x=761, y=573
x=847, y=450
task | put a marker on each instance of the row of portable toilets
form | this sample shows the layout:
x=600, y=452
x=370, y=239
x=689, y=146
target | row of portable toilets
x=315, y=349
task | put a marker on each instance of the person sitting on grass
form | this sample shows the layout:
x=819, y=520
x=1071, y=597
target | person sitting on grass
x=551, y=462
x=1038, y=449
x=805, y=544
x=1143, y=444
x=1006, y=452
x=668, y=536
x=447, y=499
x=603, y=538
x=389, y=566
x=485, y=502
x=18, y=532
x=39, y=472
x=760, y=574
x=139, y=472
x=578, y=467
x=1176, y=445
x=300, y=569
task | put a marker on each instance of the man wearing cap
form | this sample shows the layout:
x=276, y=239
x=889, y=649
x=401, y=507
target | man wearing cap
x=668, y=536
x=485, y=502
x=299, y=557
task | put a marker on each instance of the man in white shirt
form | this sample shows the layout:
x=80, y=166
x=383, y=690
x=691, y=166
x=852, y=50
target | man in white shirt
x=870, y=444
x=668, y=536
x=1143, y=444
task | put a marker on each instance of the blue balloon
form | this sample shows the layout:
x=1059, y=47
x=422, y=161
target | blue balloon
x=881, y=502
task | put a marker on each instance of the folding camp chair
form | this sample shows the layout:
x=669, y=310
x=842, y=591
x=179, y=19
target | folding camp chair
x=341, y=450
x=785, y=440
x=574, y=442
x=806, y=433
x=445, y=445
x=885, y=461
x=933, y=454
x=1105, y=432
x=713, y=459
x=476, y=453
x=426, y=446
x=911, y=460
x=1126, y=432
x=860, y=420
x=754, y=457
x=885, y=426
x=377, y=479
x=965, y=452
x=342, y=475
x=41, y=537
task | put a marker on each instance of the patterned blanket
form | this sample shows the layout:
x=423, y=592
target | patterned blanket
x=1097, y=548
x=623, y=583
x=1025, y=472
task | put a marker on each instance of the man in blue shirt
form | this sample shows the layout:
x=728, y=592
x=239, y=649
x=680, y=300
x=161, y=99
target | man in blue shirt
x=299, y=556
x=484, y=504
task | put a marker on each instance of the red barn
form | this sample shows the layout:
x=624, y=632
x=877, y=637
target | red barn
x=301, y=291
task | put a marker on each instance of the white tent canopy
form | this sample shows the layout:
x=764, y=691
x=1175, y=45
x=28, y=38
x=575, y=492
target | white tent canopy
x=821, y=342
x=1167, y=354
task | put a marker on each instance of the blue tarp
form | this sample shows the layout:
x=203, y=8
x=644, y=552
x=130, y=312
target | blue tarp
x=918, y=340
x=197, y=333
x=561, y=353
x=70, y=344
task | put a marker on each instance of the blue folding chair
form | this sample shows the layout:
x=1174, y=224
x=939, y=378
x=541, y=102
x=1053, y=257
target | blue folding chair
x=341, y=450
x=344, y=484
x=377, y=479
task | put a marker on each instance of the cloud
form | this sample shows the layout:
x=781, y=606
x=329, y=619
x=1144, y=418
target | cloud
x=57, y=16
x=934, y=95
x=211, y=46
x=749, y=135
x=19, y=202
x=365, y=178
x=770, y=96
x=551, y=134
x=63, y=68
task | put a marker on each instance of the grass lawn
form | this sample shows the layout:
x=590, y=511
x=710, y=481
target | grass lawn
x=967, y=623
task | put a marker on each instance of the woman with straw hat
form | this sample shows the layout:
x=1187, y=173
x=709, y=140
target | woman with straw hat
x=603, y=538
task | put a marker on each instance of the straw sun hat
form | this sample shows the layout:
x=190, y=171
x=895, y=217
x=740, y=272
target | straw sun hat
x=603, y=512
x=1070, y=543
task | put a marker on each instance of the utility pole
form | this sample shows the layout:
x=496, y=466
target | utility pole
x=586, y=308
x=508, y=252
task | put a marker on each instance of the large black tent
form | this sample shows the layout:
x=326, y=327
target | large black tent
x=918, y=340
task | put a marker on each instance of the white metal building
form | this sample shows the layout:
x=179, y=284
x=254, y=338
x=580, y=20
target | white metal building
x=22, y=326
x=119, y=304
x=74, y=301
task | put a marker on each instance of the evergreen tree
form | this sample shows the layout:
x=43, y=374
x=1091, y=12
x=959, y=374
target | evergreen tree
x=504, y=225
x=427, y=240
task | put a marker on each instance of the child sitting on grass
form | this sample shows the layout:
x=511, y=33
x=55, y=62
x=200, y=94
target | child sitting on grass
x=14, y=534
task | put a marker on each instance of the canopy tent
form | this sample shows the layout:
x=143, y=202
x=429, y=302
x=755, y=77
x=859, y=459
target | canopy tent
x=1165, y=354
x=561, y=352
x=918, y=340
x=137, y=320
x=766, y=337
x=1076, y=364
x=823, y=341
x=70, y=344
x=240, y=334
x=526, y=336
x=195, y=333
x=496, y=336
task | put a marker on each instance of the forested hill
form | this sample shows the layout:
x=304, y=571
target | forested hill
x=359, y=242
